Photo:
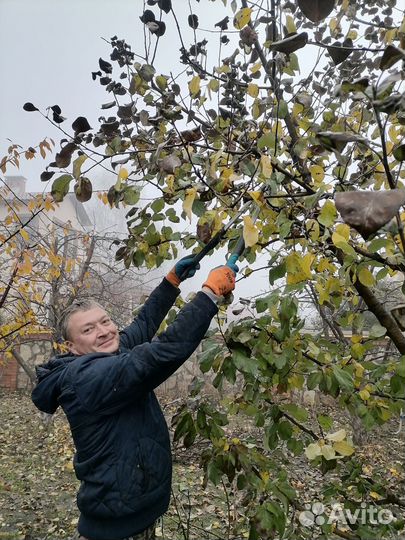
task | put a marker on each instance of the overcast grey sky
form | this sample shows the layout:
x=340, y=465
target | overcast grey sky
x=49, y=49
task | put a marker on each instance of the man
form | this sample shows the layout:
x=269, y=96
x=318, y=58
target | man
x=105, y=386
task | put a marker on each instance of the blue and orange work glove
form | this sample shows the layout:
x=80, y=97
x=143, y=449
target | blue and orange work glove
x=221, y=280
x=179, y=271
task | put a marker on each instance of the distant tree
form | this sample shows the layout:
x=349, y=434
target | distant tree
x=46, y=265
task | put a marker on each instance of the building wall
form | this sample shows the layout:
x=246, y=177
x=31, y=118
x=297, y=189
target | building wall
x=34, y=352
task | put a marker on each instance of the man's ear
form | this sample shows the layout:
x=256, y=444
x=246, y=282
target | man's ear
x=70, y=345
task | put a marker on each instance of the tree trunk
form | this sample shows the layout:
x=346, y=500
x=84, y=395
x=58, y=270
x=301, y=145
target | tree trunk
x=27, y=369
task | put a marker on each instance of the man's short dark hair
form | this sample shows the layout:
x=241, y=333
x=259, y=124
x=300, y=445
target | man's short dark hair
x=83, y=304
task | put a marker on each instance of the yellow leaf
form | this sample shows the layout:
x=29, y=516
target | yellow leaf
x=306, y=263
x=334, y=26
x=77, y=165
x=25, y=235
x=123, y=173
x=290, y=24
x=265, y=476
x=341, y=243
x=366, y=277
x=359, y=370
x=253, y=90
x=49, y=204
x=343, y=230
x=294, y=273
x=328, y=452
x=266, y=166
x=364, y=394
x=242, y=18
x=312, y=227
x=256, y=67
x=257, y=196
x=213, y=85
x=390, y=35
x=317, y=173
x=394, y=134
x=31, y=205
x=194, y=85
x=343, y=448
x=352, y=34
x=188, y=201
x=26, y=266
x=337, y=436
x=170, y=183
x=250, y=232
x=312, y=451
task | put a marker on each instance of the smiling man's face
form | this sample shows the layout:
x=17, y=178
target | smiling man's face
x=92, y=331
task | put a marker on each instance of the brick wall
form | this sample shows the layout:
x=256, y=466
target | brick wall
x=8, y=374
x=35, y=351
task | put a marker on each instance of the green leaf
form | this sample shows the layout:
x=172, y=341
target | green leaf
x=207, y=357
x=386, y=86
x=397, y=385
x=377, y=330
x=366, y=277
x=316, y=10
x=290, y=44
x=158, y=205
x=161, y=81
x=391, y=56
x=344, y=378
x=313, y=380
x=60, y=187
x=295, y=446
x=326, y=422
x=284, y=430
x=400, y=368
x=213, y=473
x=399, y=152
x=131, y=195
x=244, y=362
x=277, y=272
x=300, y=414
x=267, y=140
x=377, y=244
x=147, y=72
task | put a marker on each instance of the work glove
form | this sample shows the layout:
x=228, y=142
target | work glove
x=179, y=271
x=221, y=280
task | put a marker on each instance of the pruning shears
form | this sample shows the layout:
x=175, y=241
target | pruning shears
x=215, y=240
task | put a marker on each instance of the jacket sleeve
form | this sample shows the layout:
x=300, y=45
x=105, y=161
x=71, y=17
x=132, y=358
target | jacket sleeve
x=148, y=320
x=106, y=384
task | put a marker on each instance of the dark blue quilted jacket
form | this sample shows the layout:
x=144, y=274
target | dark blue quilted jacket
x=123, y=457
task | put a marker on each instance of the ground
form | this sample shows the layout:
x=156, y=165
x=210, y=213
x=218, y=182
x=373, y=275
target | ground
x=38, y=485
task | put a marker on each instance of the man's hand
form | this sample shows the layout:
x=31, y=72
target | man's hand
x=182, y=270
x=221, y=280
